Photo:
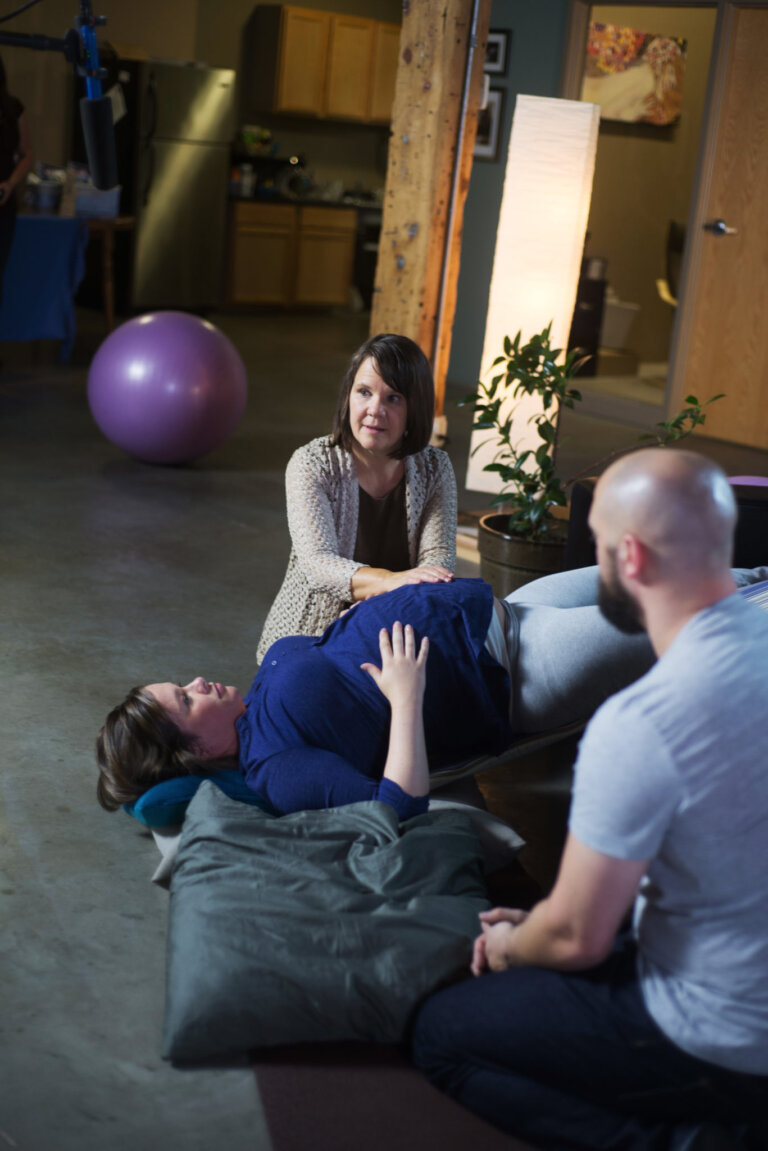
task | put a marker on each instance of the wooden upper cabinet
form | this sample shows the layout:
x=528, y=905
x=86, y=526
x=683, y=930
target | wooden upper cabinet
x=302, y=60
x=386, y=55
x=308, y=62
x=350, y=58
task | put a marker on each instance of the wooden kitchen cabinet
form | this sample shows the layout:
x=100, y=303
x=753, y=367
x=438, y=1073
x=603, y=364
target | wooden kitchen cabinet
x=326, y=252
x=304, y=61
x=350, y=59
x=262, y=253
x=286, y=49
x=386, y=55
x=286, y=254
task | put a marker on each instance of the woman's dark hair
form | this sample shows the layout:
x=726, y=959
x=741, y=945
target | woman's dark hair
x=403, y=366
x=139, y=746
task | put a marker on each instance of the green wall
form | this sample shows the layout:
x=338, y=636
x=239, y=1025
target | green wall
x=537, y=30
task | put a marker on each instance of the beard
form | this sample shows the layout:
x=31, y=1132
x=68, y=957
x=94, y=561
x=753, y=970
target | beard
x=617, y=605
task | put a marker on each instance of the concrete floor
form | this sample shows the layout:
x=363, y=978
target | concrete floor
x=113, y=573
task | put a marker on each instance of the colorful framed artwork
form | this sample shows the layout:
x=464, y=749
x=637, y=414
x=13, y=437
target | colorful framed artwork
x=496, y=52
x=634, y=76
x=489, y=126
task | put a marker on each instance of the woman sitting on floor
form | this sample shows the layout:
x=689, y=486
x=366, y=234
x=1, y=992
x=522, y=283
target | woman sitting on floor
x=373, y=505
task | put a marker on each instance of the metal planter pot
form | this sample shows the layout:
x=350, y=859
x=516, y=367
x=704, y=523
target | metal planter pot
x=507, y=562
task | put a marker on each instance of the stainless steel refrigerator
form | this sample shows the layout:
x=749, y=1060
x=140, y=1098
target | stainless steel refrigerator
x=173, y=133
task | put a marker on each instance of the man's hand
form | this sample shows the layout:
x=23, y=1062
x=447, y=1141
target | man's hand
x=490, y=951
x=574, y=927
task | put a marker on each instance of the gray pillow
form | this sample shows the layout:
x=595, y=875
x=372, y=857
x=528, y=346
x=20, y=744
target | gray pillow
x=316, y=926
x=499, y=842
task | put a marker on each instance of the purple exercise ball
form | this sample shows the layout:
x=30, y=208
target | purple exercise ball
x=167, y=387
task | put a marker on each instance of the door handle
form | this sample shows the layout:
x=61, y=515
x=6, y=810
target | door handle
x=720, y=228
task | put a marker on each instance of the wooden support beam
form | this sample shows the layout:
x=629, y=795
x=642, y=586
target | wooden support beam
x=437, y=98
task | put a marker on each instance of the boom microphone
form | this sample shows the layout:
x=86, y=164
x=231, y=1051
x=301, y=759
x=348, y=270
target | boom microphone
x=99, y=135
x=95, y=109
x=80, y=49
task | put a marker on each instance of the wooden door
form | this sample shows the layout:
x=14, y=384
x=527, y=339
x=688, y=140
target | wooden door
x=349, y=67
x=303, y=58
x=722, y=343
x=386, y=49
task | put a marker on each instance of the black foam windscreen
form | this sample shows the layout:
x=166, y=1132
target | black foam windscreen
x=99, y=135
x=750, y=547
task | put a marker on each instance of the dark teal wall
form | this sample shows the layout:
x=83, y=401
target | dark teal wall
x=533, y=68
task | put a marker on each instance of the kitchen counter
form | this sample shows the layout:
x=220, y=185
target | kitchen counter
x=310, y=201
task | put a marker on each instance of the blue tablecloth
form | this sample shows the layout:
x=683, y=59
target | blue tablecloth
x=44, y=269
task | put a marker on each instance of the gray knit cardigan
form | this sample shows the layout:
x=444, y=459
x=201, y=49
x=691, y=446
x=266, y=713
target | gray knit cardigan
x=322, y=497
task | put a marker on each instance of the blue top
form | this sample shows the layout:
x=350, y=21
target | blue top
x=316, y=728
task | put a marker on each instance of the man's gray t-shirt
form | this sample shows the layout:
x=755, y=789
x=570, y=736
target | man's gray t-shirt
x=674, y=769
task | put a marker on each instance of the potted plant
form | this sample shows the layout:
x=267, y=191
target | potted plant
x=528, y=538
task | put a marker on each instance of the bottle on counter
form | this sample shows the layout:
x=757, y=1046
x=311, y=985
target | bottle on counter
x=247, y=181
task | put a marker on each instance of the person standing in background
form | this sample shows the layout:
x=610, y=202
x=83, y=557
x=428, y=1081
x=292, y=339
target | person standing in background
x=15, y=162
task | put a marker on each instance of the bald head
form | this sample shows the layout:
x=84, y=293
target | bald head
x=677, y=503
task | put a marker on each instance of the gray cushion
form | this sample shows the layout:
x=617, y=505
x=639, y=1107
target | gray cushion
x=315, y=926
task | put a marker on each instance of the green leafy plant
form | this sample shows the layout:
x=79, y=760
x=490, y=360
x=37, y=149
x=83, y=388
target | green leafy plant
x=531, y=487
x=677, y=428
x=683, y=423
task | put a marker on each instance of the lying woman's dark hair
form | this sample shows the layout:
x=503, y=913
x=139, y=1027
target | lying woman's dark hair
x=403, y=366
x=139, y=746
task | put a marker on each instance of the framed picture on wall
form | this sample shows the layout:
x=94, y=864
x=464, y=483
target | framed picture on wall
x=634, y=76
x=496, y=52
x=489, y=126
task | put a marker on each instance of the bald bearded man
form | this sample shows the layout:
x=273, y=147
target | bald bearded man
x=578, y=1034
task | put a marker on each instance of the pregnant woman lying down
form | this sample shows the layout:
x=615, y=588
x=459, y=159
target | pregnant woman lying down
x=314, y=729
